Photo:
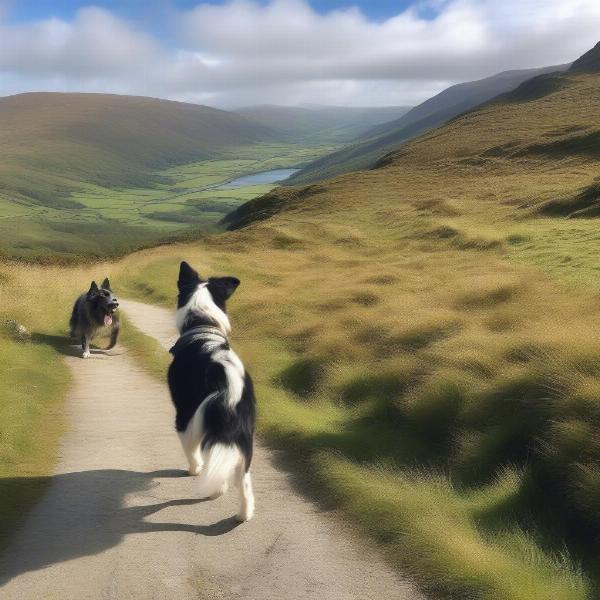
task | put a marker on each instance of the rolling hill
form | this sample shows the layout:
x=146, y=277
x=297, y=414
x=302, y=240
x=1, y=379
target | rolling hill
x=60, y=140
x=384, y=138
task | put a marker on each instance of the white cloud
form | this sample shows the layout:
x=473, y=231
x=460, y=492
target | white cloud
x=95, y=44
x=283, y=51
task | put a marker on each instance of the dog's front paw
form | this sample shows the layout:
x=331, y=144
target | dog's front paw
x=86, y=354
x=195, y=470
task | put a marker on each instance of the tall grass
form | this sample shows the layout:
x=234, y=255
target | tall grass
x=432, y=395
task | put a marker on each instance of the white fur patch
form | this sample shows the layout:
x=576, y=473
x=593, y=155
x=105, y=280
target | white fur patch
x=202, y=302
x=234, y=373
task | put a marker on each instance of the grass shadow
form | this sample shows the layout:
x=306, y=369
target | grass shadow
x=62, y=344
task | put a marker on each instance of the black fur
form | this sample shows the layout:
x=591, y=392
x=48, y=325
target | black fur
x=195, y=376
x=89, y=312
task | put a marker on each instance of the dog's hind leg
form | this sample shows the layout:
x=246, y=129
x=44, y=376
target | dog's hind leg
x=191, y=447
x=114, y=334
x=85, y=346
x=195, y=460
x=244, y=484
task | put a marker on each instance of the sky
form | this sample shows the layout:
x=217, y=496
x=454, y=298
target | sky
x=231, y=53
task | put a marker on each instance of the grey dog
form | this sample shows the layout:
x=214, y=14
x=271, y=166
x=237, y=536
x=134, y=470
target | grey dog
x=93, y=311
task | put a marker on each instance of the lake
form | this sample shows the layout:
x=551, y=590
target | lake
x=261, y=178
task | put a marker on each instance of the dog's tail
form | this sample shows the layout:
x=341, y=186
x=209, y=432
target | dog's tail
x=220, y=463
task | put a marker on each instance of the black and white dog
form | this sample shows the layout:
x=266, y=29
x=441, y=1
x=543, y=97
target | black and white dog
x=93, y=311
x=211, y=391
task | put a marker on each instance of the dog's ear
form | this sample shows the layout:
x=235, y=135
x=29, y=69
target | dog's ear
x=106, y=284
x=187, y=276
x=93, y=289
x=223, y=287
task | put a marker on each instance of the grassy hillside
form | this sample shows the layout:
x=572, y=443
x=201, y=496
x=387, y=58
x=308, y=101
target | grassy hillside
x=99, y=175
x=322, y=124
x=378, y=141
x=588, y=62
x=424, y=338
x=114, y=221
x=65, y=158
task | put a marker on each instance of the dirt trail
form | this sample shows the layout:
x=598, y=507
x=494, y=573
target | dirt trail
x=121, y=520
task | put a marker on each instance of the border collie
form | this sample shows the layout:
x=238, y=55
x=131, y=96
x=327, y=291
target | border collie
x=92, y=311
x=212, y=393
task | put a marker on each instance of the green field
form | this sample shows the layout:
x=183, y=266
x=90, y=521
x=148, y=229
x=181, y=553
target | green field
x=108, y=222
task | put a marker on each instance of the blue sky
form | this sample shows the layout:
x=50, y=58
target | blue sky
x=240, y=52
x=23, y=10
x=156, y=15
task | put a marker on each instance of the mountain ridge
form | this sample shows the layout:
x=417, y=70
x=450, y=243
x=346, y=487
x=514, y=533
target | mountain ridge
x=430, y=114
x=106, y=139
x=588, y=62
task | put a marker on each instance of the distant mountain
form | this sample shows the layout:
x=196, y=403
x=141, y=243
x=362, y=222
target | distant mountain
x=432, y=113
x=322, y=124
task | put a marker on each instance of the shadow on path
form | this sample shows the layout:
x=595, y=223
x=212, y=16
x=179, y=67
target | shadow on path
x=83, y=513
x=60, y=343
x=68, y=346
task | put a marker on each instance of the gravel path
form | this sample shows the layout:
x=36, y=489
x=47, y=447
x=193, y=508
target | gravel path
x=122, y=520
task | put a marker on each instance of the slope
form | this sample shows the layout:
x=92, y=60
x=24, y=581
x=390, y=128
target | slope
x=432, y=113
x=588, y=62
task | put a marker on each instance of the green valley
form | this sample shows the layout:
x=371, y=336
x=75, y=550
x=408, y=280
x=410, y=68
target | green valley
x=101, y=221
x=98, y=175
